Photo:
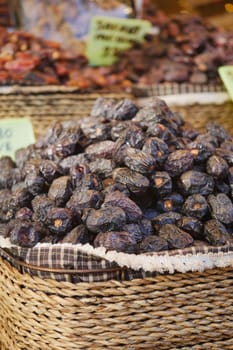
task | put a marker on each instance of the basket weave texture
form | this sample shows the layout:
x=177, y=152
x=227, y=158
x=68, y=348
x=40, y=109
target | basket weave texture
x=179, y=311
x=200, y=115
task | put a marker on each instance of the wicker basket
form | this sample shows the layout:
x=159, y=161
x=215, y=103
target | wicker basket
x=44, y=105
x=191, y=310
x=200, y=115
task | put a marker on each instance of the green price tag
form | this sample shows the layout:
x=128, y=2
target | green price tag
x=108, y=36
x=226, y=74
x=15, y=134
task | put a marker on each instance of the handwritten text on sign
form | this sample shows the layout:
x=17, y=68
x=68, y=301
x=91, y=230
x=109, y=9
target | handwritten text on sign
x=15, y=134
x=226, y=74
x=109, y=36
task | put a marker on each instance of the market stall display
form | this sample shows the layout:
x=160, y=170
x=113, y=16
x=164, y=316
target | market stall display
x=154, y=198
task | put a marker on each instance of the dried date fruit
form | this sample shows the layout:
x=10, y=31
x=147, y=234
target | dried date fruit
x=78, y=234
x=119, y=199
x=222, y=187
x=102, y=106
x=196, y=182
x=146, y=227
x=225, y=154
x=191, y=225
x=26, y=233
x=150, y=213
x=110, y=186
x=129, y=133
x=106, y=219
x=60, y=220
x=216, y=166
x=24, y=214
x=228, y=145
x=123, y=110
x=120, y=241
x=77, y=172
x=135, y=182
x=96, y=132
x=161, y=183
x=102, y=167
x=120, y=151
x=172, y=202
x=19, y=198
x=60, y=190
x=35, y=184
x=6, y=162
x=49, y=170
x=41, y=205
x=175, y=237
x=89, y=182
x=195, y=206
x=139, y=161
x=66, y=163
x=9, y=177
x=215, y=232
x=103, y=149
x=66, y=145
x=165, y=218
x=221, y=208
x=84, y=199
x=134, y=231
x=201, y=150
x=152, y=244
x=207, y=138
x=178, y=162
x=160, y=131
x=218, y=131
x=157, y=148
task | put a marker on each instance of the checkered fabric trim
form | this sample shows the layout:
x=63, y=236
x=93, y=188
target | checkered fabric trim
x=91, y=268
x=174, y=89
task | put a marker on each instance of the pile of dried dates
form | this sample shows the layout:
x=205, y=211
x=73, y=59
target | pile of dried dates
x=186, y=50
x=28, y=60
x=126, y=178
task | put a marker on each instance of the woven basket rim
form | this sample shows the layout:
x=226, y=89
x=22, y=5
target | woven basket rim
x=21, y=264
x=41, y=89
